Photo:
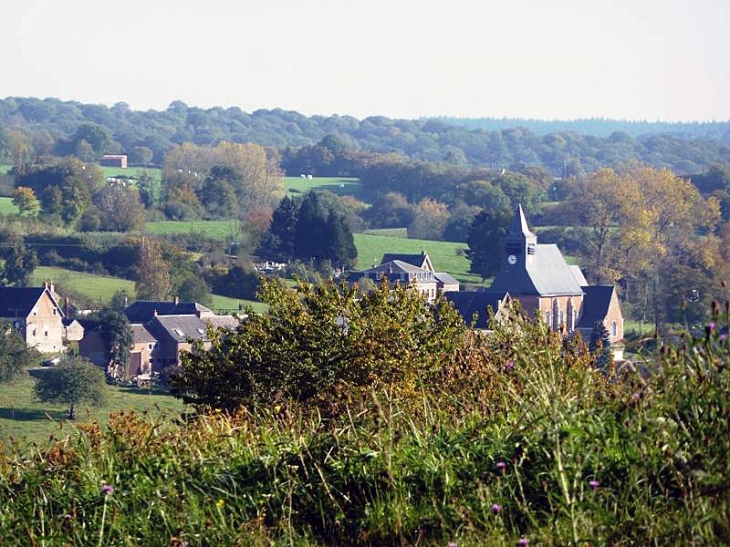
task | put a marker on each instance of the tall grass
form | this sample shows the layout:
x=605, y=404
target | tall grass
x=535, y=444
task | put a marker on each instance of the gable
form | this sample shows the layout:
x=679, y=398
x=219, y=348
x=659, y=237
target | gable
x=18, y=302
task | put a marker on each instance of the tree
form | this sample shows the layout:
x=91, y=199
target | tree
x=73, y=381
x=324, y=347
x=15, y=356
x=601, y=341
x=485, y=241
x=194, y=289
x=429, y=220
x=120, y=207
x=19, y=265
x=118, y=337
x=26, y=201
x=153, y=273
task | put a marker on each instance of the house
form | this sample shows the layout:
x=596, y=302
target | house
x=161, y=331
x=538, y=277
x=410, y=269
x=35, y=314
x=114, y=160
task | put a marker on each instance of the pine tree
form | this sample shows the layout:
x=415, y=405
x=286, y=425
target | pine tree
x=600, y=338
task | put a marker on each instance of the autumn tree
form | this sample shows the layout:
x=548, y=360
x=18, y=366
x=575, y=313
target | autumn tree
x=429, y=220
x=26, y=201
x=120, y=207
x=153, y=281
x=73, y=381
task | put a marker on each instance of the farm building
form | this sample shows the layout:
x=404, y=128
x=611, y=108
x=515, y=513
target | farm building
x=114, y=160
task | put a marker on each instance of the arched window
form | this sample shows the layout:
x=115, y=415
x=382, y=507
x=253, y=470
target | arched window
x=547, y=317
x=614, y=329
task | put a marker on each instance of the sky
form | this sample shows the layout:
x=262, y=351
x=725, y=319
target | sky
x=544, y=59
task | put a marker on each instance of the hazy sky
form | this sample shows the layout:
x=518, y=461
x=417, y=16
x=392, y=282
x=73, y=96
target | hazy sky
x=629, y=59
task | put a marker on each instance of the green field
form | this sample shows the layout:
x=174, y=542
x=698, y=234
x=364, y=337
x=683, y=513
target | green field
x=370, y=249
x=154, y=172
x=222, y=230
x=7, y=207
x=102, y=288
x=26, y=420
x=5, y=169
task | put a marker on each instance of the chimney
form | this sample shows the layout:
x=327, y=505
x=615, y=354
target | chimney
x=177, y=300
x=154, y=313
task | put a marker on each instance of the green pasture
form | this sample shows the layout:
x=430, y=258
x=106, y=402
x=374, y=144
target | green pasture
x=4, y=169
x=446, y=256
x=25, y=420
x=101, y=288
x=223, y=230
x=342, y=186
x=154, y=172
x=7, y=207
x=388, y=232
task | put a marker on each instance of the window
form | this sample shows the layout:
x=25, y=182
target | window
x=54, y=311
x=150, y=346
x=614, y=329
x=201, y=331
x=34, y=331
x=560, y=317
x=547, y=317
x=46, y=333
x=179, y=332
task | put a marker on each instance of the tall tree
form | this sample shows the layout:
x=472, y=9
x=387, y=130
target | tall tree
x=15, y=356
x=118, y=337
x=485, y=241
x=153, y=273
x=20, y=262
x=120, y=207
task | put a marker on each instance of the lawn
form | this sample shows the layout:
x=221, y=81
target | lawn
x=7, y=207
x=446, y=256
x=26, y=420
x=101, y=288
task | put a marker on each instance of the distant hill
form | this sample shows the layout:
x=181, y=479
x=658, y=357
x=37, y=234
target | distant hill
x=599, y=127
x=571, y=147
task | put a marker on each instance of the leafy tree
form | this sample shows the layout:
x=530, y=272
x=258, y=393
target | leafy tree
x=150, y=189
x=429, y=220
x=26, y=201
x=485, y=241
x=141, y=155
x=117, y=335
x=15, y=356
x=73, y=381
x=218, y=194
x=323, y=346
x=20, y=262
x=194, y=289
x=120, y=300
x=120, y=207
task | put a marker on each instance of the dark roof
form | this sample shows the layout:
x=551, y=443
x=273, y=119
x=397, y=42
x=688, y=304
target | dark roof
x=416, y=260
x=141, y=334
x=143, y=310
x=19, y=301
x=596, y=302
x=395, y=267
x=445, y=278
x=468, y=303
x=178, y=327
x=519, y=224
x=549, y=276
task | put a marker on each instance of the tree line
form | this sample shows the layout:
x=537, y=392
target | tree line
x=50, y=126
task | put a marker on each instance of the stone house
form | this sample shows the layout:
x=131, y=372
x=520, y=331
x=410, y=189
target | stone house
x=36, y=315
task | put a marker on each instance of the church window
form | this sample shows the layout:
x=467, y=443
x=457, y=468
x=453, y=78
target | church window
x=614, y=329
x=560, y=318
x=547, y=317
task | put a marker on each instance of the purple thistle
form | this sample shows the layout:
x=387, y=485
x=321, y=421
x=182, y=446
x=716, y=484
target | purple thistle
x=107, y=489
x=509, y=366
x=524, y=542
x=501, y=466
x=594, y=484
x=496, y=508
x=453, y=544
x=710, y=328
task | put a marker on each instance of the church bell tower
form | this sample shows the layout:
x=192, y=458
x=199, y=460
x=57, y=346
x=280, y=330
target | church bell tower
x=520, y=244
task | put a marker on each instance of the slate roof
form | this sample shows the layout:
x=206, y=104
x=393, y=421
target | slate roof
x=395, y=266
x=419, y=260
x=519, y=224
x=596, y=302
x=468, y=303
x=141, y=334
x=143, y=310
x=19, y=301
x=445, y=278
x=578, y=274
x=178, y=327
x=549, y=276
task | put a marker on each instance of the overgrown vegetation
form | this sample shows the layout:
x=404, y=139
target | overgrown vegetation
x=521, y=437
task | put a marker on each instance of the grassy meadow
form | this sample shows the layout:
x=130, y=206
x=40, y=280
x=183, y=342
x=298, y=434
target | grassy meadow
x=446, y=256
x=336, y=185
x=26, y=420
x=7, y=207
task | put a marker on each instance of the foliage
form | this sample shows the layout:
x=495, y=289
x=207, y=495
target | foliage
x=15, y=356
x=120, y=207
x=544, y=448
x=118, y=338
x=485, y=241
x=153, y=280
x=73, y=381
x=20, y=262
x=322, y=347
x=26, y=202
x=601, y=342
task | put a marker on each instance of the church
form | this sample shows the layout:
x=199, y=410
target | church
x=538, y=277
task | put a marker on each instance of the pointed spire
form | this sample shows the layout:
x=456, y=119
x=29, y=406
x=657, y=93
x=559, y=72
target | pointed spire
x=519, y=224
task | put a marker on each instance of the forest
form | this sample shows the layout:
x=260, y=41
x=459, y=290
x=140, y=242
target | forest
x=65, y=127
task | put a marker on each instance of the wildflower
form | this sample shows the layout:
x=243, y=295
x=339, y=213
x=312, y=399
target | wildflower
x=107, y=489
x=709, y=328
x=501, y=466
x=635, y=397
x=453, y=544
x=220, y=503
x=524, y=542
x=594, y=484
x=509, y=366
x=68, y=516
x=496, y=508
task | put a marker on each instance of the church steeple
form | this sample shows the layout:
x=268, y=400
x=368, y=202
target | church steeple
x=520, y=244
